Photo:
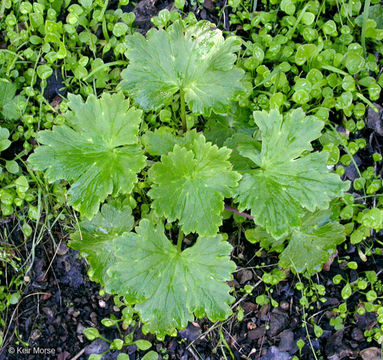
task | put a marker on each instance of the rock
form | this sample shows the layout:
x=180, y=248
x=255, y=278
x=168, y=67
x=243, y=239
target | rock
x=335, y=349
x=366, y=321
x=331, y=302
x=375, y=119
x=372, y=353
x=46, y=296
x=326, y=267
x=209, y=5
x=63, y=356
x=93, y=318
x=350, y=171
x=249, y=307
x=192, y=332
x=35, y=334
x=62, y=249
x=357, y=335
x=97, y=346
x=274, y=354
x=48, y=311
x=278, y=322
x=102, y=304
x=245, y=276
x=284, y=305
x=257, y=333
x=80, y=328
x=287, y=343
x=264, y=312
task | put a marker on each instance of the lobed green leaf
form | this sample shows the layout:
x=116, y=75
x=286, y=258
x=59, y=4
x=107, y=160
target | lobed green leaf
x=168, y=285
x=95, y=238
x=284, y=182
x=311, y=245
x=98, y=152
x=190, y=184
x=196, y=60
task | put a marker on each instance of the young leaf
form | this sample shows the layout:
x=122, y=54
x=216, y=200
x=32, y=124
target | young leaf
x=190, y=184
x=98, y=153
x=311, y=245
x=170, y=285
x=265, y=240
x=160, y=142
x=221, y=127
x=196, y=60
x=4, y=142
x=9, y=103
x=286, y=182
x=95, y=238
x=7, y=92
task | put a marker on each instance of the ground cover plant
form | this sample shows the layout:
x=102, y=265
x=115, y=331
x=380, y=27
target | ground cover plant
x=166, y=154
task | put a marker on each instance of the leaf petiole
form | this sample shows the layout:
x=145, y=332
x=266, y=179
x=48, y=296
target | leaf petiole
x=183, y=112
x=179, y=241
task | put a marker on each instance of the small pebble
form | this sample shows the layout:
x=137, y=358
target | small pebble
x=284, y=305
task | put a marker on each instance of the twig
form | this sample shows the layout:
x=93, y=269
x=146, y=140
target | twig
x=78, y=355
x=189, y=349
x=54, y=256
x=216, y=324
x=13, y=314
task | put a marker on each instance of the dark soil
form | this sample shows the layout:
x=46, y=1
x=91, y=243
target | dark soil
x=60, y=301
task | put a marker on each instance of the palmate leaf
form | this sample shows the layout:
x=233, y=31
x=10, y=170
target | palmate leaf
x=196, y=60
x=190, y=184
x=311, y=245
x=160, y=141
x=286, y=182
x=219, y=128
x=169, y=286
x=95, y=238
x=98, y=153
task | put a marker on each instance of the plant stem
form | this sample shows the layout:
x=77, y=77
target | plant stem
x=2, y=8
x=179, y=241
x=235, y=211
x=365, y=14
x=183, y=112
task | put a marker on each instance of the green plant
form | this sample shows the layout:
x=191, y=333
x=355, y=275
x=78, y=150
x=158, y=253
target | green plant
x=105, y=150
x=128, y=321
